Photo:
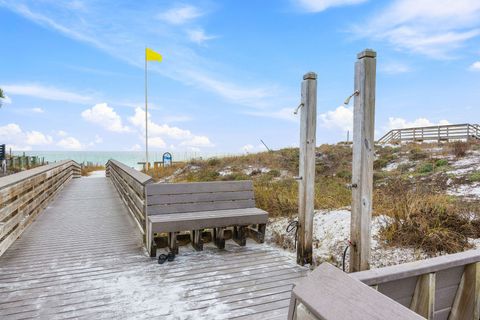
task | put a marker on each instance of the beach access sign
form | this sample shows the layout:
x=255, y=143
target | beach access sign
x=167, y=159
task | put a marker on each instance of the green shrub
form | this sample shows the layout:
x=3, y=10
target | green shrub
x=380, y=163
x=416, y=153
x=425, y=168
x=213, y=162
x=441, y=162
x=344, y=174
x=474, y=176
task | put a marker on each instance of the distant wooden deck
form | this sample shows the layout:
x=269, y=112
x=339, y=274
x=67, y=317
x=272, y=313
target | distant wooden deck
x=83, y=258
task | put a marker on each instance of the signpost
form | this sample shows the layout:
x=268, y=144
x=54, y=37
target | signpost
x=167, y=159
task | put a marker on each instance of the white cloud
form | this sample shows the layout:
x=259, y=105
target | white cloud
x=6, y=100
x=394, y=68
x=103, y=115
x=197, y=141
x=247, y=148
x=475, y=66
x=97, y=139
x=70, y=143
x=400, y=123
x=341, y=118
x=17, y=139
x=161, y=131
x=321, y=5
x=199, y=36
x=136, y=147
x=134, y=26
x=180, y=14
x=156, y=142
x=45, y=92
x=172, y=119
x=37, y=110
x=37, y=138
x=61, y=133
x=431, y=27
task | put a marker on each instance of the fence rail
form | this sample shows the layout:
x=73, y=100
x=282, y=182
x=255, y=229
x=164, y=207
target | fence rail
x=445, y=287
x=25, y=194
x=130, y=185
x=463, y=131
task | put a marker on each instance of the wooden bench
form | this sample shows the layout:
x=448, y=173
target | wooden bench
x=175, y=207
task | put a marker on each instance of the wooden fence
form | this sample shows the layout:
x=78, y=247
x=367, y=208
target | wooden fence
x=130, y=185
x=25, y=194
x=446, y=287
x=463, y=131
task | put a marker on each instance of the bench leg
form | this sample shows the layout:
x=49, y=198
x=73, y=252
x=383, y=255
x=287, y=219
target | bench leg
x=258, y=234
x=153, y=248
x=239, y=235
x=172, y=242
x=196, y=238
x=219, y=237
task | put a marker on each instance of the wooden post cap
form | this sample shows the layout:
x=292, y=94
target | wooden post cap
x=367, y=53
x=310, y=76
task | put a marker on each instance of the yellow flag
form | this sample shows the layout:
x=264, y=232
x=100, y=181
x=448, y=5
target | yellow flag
x=151, y=55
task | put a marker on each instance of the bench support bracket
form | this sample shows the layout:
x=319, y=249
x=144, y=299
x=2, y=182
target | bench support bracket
x=239, y=235
x=196, y=238
x=172, y=242
x=257, y=234
x=218, y=236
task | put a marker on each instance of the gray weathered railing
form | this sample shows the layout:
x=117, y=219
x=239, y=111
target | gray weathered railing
x=446, y=287
x=330, y=294
x=25, y=194
x=130, y=185
x=432, y=133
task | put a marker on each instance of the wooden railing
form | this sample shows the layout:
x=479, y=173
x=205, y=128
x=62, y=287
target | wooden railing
x=446, y=287
x=464, y=131
x=130, y=185
x=437, y=288
x=330, y=294
x=25, y=194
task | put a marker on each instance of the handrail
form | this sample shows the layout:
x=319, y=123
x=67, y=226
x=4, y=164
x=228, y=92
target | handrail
x=439, y=132
x=130, y=185
x=25, y=194
x=437, y=288
x=416, y=268
x=329, y=294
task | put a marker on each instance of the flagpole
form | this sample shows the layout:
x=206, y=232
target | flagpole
x=146, y=114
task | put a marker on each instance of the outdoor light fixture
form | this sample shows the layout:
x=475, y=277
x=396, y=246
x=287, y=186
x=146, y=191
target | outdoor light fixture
x=347, y=101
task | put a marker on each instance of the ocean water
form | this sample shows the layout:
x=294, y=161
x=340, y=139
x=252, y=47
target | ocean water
x=130, y=158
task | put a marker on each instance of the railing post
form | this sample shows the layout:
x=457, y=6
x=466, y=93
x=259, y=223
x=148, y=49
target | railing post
x=306, y=188
x=362, y=166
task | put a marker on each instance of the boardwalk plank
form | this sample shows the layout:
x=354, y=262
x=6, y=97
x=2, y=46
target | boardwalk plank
x=83, y=258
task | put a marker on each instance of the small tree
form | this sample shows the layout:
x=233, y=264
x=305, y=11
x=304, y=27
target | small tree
x=2, y=96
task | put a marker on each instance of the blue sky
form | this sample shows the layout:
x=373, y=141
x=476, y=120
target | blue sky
x=73, y=71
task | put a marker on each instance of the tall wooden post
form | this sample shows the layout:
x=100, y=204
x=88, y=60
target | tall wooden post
x=362, y=166
x=306, y=189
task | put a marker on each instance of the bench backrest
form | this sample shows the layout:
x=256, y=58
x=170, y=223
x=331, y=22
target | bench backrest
x=164, y=198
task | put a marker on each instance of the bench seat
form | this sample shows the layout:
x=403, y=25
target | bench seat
x=206, y=219
x=199, y=207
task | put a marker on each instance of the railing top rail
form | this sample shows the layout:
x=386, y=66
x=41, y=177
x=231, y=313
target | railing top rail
x=135, y=174
x=328, y=293
x=411, y=269
x=434, y=127
x=27, y=174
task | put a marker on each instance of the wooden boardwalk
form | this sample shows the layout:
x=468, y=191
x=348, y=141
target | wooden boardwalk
x=83, y=258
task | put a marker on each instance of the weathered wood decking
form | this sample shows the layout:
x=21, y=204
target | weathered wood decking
x=83, y=258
